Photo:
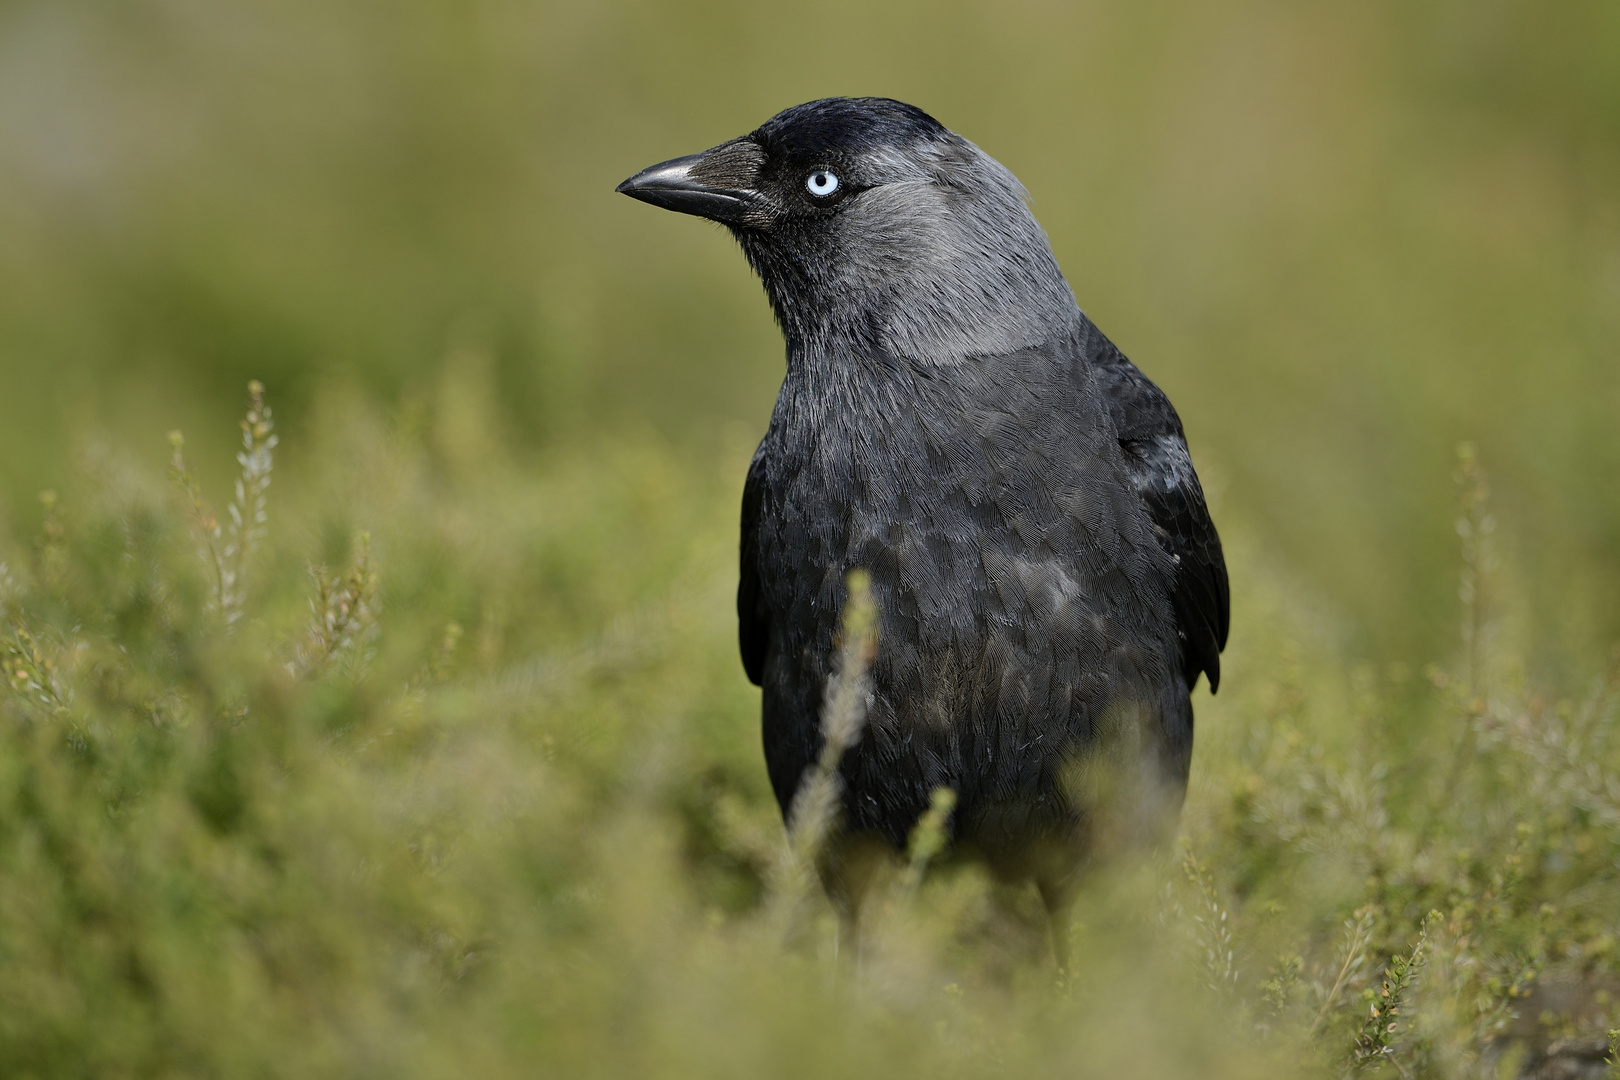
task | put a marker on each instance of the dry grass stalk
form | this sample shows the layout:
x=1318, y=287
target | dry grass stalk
x=227, y=550
x=928, y=839
x=1357, y=932
x=814, y=812
x=344, y=610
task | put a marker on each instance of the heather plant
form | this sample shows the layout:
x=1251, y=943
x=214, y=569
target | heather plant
x=813, y=814
x=487, y=799
x=228, y=549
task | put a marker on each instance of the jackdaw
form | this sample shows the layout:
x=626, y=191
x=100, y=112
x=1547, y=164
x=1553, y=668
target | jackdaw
x=1049, y=583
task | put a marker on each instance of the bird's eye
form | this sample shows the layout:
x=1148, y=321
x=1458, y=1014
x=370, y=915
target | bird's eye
x=821, y=183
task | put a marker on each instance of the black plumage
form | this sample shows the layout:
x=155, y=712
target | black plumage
x=1049, y=582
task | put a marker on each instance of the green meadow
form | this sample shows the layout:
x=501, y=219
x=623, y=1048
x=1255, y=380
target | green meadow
x=385, y=718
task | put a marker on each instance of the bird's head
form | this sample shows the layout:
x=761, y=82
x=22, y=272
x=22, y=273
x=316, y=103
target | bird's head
x=874, y=227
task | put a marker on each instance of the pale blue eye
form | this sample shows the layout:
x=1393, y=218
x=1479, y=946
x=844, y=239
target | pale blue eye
x=822, y=183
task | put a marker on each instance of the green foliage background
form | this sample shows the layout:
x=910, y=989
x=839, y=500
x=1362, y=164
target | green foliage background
x=518, y=822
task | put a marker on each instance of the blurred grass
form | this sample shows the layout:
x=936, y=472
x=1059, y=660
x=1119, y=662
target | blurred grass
x=472, y=786
x=518, y=822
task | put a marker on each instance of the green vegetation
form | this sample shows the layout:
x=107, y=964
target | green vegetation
x=420, y=763
x=428, y=752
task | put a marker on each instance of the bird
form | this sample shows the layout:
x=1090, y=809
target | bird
x=1048, y=579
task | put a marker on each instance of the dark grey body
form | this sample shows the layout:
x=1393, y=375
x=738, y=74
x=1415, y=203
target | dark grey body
x=1048, y=581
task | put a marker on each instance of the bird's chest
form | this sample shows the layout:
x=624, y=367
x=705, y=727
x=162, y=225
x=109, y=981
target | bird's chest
x=990, y=511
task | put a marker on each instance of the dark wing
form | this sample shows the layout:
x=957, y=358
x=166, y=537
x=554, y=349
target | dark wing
x=753, y=628
x=1162, y=473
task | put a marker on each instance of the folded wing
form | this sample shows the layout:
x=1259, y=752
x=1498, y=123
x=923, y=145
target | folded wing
x=1161, y=471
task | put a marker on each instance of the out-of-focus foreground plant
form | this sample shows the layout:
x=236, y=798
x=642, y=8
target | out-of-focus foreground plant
x=433, y=762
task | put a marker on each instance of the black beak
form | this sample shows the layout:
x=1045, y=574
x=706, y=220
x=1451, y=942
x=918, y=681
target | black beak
x=688, y=185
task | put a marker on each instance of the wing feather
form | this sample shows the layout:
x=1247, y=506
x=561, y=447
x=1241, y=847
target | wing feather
x=1161, y=471
x=753, y=624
